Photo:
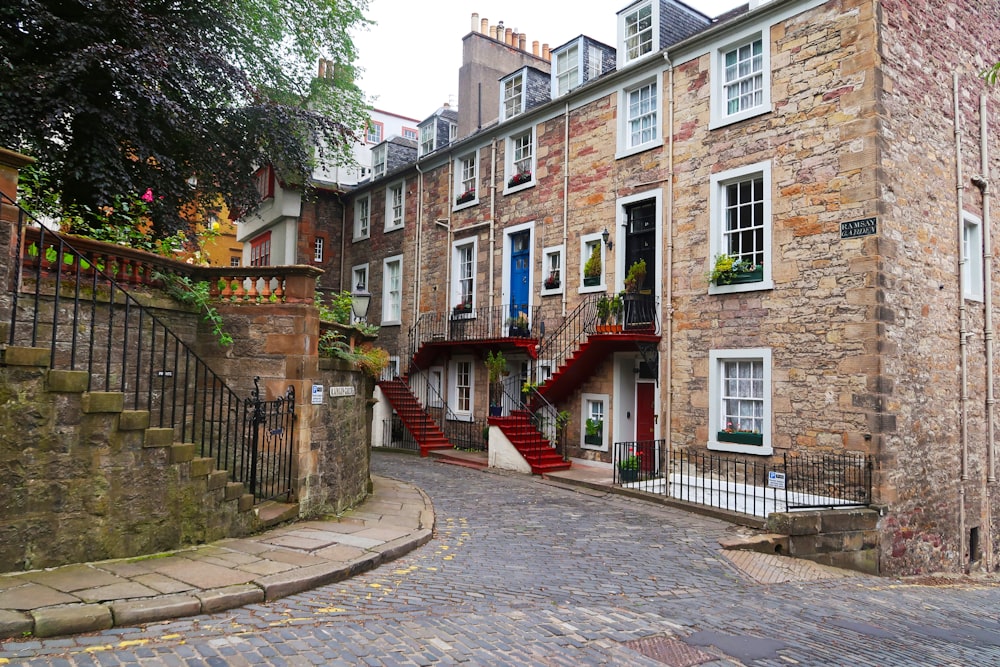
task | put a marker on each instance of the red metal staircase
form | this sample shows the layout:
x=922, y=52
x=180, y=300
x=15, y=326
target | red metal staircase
x=416, y=420
x=532, y=445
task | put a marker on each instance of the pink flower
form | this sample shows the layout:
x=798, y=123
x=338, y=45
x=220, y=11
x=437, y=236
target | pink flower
x=147, y=196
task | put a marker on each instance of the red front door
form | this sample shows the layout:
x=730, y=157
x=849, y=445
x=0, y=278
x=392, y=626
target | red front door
x=645, y=420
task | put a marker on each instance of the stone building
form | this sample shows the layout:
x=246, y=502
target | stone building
x=839, y=152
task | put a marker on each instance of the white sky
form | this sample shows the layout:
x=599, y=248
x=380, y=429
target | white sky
x=411, y=56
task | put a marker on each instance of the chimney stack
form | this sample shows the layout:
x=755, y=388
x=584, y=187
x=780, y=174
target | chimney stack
x=475, y=21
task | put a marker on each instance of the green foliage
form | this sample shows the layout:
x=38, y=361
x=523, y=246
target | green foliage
x=368, y=358
x=594, y=427
x=991, y=74
x=635, y=276
x=197, y=294
x=496, y=364
x=562, y=420
x=339, y=311
x=603, y=308
x=726, y=268
x=592, y=269
x=116, y=97
x=629, y=462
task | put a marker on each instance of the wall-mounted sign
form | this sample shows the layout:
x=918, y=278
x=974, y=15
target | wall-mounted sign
x=856, y=228
x=336, y=392
x=317, y=394
x=775, y=480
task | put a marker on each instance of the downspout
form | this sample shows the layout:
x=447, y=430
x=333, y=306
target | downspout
x=668, y=328
x=962, y=333
x=416, y=253
x=451, y=236
x=493, y=219
x=565, y=230
x=343, y=246
x=983, y=183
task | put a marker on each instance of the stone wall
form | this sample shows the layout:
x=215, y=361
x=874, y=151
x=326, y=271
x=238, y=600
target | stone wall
x=845, y=538
x=932, y=512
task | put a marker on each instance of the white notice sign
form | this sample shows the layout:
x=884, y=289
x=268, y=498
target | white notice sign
x=317, y=394
x=775, y=480
x=336, y=392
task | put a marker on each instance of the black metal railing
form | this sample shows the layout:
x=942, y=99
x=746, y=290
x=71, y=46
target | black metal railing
x=751, y=486
x=567, y=337
x=396, y=435
x=471, y=436
x=73, y=302
x=267, y=449
x=475, y=324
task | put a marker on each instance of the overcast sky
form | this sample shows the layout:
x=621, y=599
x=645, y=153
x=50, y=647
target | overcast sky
x=411, y=56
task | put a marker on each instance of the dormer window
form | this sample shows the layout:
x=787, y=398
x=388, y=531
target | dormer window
x=512, y=97
x=566, y=70
x=427, y=136
x=636, y=33
x=378, y=161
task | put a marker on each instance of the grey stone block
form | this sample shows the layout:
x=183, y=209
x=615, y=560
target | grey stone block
x=220, y=599
x=71, y=619
x=133, y=612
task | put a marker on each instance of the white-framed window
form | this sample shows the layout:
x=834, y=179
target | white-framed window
x=595, y=62
x=362, y=217
x=637, y=34
x=741, y=76
x=553, y=271
x=566, y=70
x=374, y=134
x=512, y=95
x=452, y=132
x=739, y=410
x=394, y=206
x=588, y=244
x=428, y=135
x=594, y=426
x=462, y=384
x=235, y=260
x=741, y=225
x=318, y=246
x=466, y=181
x=410, y=133
x=972, y=256
x=545, y=370
x=639, y=124
x=392, y=290
x=520, y=161
x=378, y=161
x=463, y=290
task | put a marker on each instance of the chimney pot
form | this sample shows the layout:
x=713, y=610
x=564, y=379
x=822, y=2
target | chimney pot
x=522, y=41
x=534, y=48
x=475, y=21
x=484, y=26
x=545, y=52
x=508, y=36
x=493, y=31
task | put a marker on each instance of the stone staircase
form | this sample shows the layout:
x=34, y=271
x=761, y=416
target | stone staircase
x=416, y=420
x=532, y=445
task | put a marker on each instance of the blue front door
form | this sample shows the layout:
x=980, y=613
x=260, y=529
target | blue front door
x=520, y=255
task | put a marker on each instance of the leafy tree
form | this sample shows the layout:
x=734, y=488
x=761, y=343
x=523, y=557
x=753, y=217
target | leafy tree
x=184, y=97
x=992, y=73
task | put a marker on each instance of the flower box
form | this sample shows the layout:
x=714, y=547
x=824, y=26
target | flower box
x=590, y=281
x=755, y=276
x=740, y=437
x=519, y=179
x=465, y=197
x=597, y=440
x=627, y=476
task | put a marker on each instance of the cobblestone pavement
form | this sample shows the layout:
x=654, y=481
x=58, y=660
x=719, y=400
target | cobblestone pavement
x=522, y=572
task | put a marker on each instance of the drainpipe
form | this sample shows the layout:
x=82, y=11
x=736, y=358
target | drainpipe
x=343, y=247
x=416, y=254
x=982, y=182
x=493, y=219
x=565, y=231
x=962, y=333
x=668, y=328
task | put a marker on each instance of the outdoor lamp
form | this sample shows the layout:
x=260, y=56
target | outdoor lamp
x=360, y=298
x=605, y=237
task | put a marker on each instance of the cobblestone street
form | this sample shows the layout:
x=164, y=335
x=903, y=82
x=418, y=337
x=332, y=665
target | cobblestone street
x=525, y=572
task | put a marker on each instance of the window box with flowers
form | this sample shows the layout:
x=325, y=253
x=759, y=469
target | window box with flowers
x=594, y=434
x=552, y=282
x=462, y=310
x=740, y=437
x=519, y=179
x=465, y=197
x=728, y=270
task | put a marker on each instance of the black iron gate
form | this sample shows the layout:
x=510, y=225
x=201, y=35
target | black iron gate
x=267, y=444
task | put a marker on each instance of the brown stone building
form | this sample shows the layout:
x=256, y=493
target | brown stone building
x=840, y=153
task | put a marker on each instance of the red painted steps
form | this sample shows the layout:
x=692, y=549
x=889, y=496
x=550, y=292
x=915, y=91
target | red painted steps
x=416, y=420
x=535, y=449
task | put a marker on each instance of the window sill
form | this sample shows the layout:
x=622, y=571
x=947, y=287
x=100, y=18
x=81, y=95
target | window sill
x=360, y=238
x=735, y=448
x=597, y=448
x=460, y=417
x=719, y=122
x=588, y=289
x=508, y=190
x=552, y=292
x=394, y=228
x=390, y=323
x=634, y=150
x=765, y=284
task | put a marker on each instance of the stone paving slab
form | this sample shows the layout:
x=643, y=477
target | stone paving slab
x=214, y=577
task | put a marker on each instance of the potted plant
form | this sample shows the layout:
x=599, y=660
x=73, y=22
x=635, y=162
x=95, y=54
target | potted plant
x=519, y=325
x=496, y=367
x=552, y=282
x=594, y=434
x=592, y=269
x=615, y=307
x=464, y=308
x=728, y=270
x=628, y=468
x=635, y=277
x=603, y=314
x=466, y=196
